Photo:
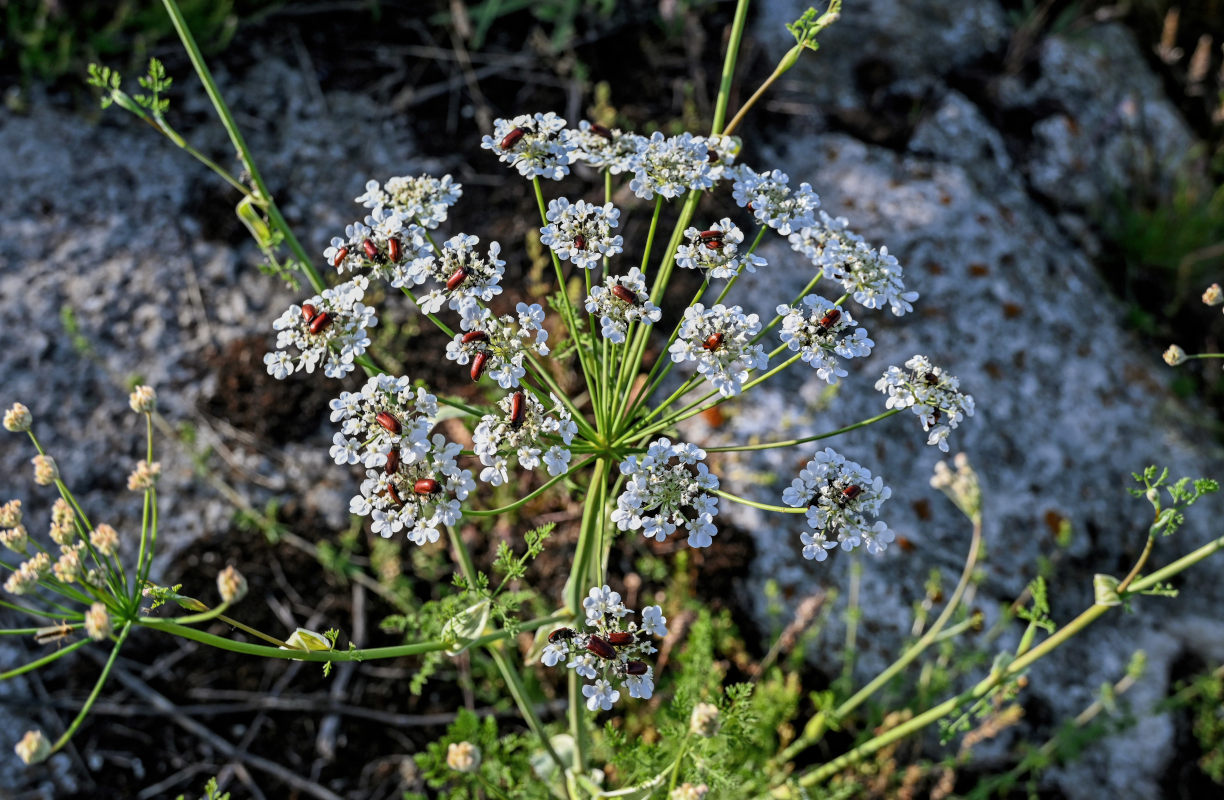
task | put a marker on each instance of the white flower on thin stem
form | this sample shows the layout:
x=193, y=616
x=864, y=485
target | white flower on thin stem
x=602, y=601
x=581, y=232
x=329, y=328
x=387, y=416
x=420, y=497
x=820, y=331
x=719, y=340
x=616, y=308
x=874, y=278
x=668, y=487
x=465, y=275
x=605, y=148
x=382, y=246
x=932, y=394
x=423, y=199
x=526, y=435
x=772, y=201
x=717, y=250
x=721, y=152
x=653, y=621
x=839, y=495
x=670, y=166
x=538, y=145
x=600, y=695
x=500, y=344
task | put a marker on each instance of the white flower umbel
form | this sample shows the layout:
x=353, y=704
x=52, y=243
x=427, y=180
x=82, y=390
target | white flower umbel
x=419, y=497
x=581, y=232
x=668, y=487
x=874, y=278
x=382, y=246
x=423, y=199
x=328, y=328
x=839, y=495
x=719, y=340
x=670, y=166
x=499, y=345
x=721, y=152
x=772, y=201
x=538, y=146
x=605, y=148
x=717, y=250
x=465, y=275
x=609, y=649
x=820, y=331
x=932, y=394
x=386, y=423
x=528, y=435
x=615, y=312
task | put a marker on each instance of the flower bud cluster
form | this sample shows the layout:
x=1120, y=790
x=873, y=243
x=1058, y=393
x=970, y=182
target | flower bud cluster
x=17, y=418
x=523, y=427
x=818, y=333
x=105, y=540
x=45, y=470
x=463, y=757
x=932, y=394
x=618, y=307
x=668, y=487
x=717, y=251
x=63, y=522
x=98, y=622
x=499, y=345
x=719, y=339
x=143, y=399
x=839, y=496
x=961, y=486
x=424, y=199
x=144, y=476
x=604, y=148
x=581, y=232
x=329, y=328
x=27, y=576
x=610, y=649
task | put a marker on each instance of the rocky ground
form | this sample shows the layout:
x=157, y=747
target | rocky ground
x=980, y=167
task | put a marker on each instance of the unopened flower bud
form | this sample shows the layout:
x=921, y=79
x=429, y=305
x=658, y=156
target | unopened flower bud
x=98, y=622
x=33, y=747
x=143, y=399
x=704, y=720
x=15, y=539
x=69, y=568
x=688, y=791
x=17, y=419
x=463, y=757
x=1174, y=355
x=105, y=540
x=145, y=476
x=45, y=471
x=231, y=585
x=1213, y=296
x=10, y=514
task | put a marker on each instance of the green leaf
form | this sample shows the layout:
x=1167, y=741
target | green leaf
x=465, y=626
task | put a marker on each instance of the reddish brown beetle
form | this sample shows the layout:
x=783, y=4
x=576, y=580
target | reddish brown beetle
x=393, y=249
x=518, y=409
x=426, y=486
x=371, y=250
x=459, y=277
x=474, y=336
x=601, y=648
x=623, y=293
x=341, y=254
x=636, y=667
x=852, y=491
x=308, y=311
x=829, y=320
x=320, y=322
x=393, y=462
x=713, y=342
x=931, y=378
x=620, y=638
x=710, y=234
x=600, y=130
x=394, y=495
x=388, y=422
x=561, y=634
x=579, y=242
x=511, y=138
x=478, y=365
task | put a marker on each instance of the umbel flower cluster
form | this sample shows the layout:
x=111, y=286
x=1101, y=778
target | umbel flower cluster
x=593, y=402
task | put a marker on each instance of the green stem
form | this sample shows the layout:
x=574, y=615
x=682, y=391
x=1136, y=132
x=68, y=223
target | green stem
x=519, y=692
x=47, y=659
x=519, y=503
x=763, y=506
x=89, y=701
x=728, y=70
x=806, y=439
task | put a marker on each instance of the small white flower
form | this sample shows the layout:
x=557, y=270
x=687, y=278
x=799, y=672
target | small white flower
x=615, y=312
x=463, y=757
x=387, y=415
x=838, y=495
x=423, y=199
x=581, y=232
x=933, y=395
x=502, y=343
x=820, y=332
x=1213, y=295
x=600, y=695
x=465, y=276
x=33, y=748
x=717, y=250
x=719, y=340
x=640, y=686
x=382, y=246
x=143, y=399
x=1174, y=355
x=603, y=601
x=497, y=434
x=329, y=328
x=604, y=148
x=661, y=496
x=653, y=621
x=670, y=166
x=721, y=152
x=536, y=145
x=772, y=201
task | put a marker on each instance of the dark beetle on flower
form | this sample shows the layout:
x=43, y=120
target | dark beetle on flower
x=308, y=311
x=426, y=486
x=341, y=254
x=713, y=342
x=622, y=293
x=388, y=422
x=561, y=634
x=636, y=667
x=478, y=365
x=371, y=249
x=320, y=322
x=518, y=409
x=393, y=462
x=601, y=648
x=393, y=248
x=620, y=638
x=474, y=336
x=511, y=138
